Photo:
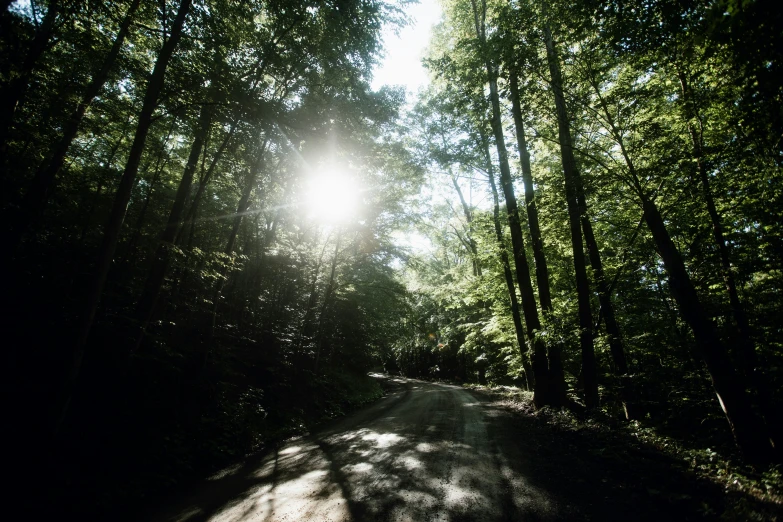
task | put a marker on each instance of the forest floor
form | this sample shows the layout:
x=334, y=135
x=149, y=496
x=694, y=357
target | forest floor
x=430, y=451
x=592, y=460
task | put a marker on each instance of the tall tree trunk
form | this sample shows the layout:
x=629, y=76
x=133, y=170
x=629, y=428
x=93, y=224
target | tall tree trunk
x=327, y=298
x=102, y=182
x=542, y=272
x=753, y=375
x=695, y=130
x=749, y=432
x=160, y=163
x=190, y=217
x=37, y=195
x=530, y=374
x=305, y=328
x=616, y=348
x=270, y=235
x=571, y=176
x=181, y=276
x=160, y=261
x=124, y=259
x=469, y=218
x=111, y=232
x=13, y=94
x=542, y=393
x=556, y=372
x=242, y=206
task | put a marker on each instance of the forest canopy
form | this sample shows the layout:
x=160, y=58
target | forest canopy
x=208, y=215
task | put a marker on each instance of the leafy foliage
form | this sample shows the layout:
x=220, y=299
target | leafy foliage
x=171, y=293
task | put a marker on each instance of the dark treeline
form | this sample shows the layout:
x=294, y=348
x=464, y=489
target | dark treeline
x=175, y=301
x=603, y=196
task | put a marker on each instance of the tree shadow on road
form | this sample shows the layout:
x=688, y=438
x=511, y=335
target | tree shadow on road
x=443, y=454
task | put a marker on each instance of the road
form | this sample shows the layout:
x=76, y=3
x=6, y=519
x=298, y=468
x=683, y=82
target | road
x=435, y=452
x=424, y=452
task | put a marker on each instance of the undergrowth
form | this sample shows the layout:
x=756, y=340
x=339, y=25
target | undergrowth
x=170, y=420
x=719, y=465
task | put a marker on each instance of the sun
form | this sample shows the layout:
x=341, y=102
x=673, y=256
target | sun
x=331, y=196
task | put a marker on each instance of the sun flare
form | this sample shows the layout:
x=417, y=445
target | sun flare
x=332, y=196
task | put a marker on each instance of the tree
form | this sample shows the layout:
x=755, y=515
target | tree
x=576, y=214
x=36, y=196
x=113, y=226
x=543, y=387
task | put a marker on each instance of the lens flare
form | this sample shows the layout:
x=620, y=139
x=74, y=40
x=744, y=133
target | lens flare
x=332, y=196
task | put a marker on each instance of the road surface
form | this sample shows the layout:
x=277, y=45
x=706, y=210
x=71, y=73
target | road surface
x=425, y=452
x=434, y=452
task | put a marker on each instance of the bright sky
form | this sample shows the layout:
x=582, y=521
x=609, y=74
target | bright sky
x=402, y=65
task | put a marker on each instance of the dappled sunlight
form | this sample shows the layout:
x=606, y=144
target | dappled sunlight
x=294, y=484
x=291, y=450
x=425, y=447
x=383, y=440
x=362, y=467
x=526, y=496
x=430, y=459
x=430, y=456
x=409, y=462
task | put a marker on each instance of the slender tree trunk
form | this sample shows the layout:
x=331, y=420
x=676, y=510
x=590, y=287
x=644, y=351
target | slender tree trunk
x=190, y=217
x=87, y=218
x=312, y=300
x=542, y=272
x=543, y=392
x=327, y=299
x=111, y=232
x=102, y=183
x=38, y=194
x=124, y=259
x=749, y=432
x=697, y=140
x=252, y=282
x=182, y=275
x=530, y=373
x=604, y=297
x=692, y=360
x=160, y=163
x=753, y=375
x=616, y=347
x=14, y=92
x=556, y=372
x=571, y=176
x=263, y=246
x=244, y=204
x=471, y=243
x=160, y=261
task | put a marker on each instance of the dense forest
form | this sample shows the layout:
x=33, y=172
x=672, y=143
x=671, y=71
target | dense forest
x=213, y=224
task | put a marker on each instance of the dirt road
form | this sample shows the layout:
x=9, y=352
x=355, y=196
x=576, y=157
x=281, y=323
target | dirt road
x=425, y=452
x=434, y=452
